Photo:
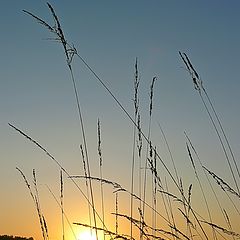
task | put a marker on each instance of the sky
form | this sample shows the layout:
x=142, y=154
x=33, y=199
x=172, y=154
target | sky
x=36, y=95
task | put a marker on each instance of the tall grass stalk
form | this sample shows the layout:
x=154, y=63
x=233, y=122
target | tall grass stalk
x=62, y=211
x=101, y=171
x=228, y=223
x=148, y=144
x=222, y=229
x=154, y=220
x=223, y=184
x=35, y=198
x=61, y=202
x=207, y=177
x=198, y=85
x=70, y=51
x=86, y=182
x=184, y=212
x=169, y=151
x=223, y=132
x=60, y=166
x=139, y=148
x=116, y=211
x=188, y=209
x=170, y=210
x=169, y=213
x=136, y=112
x=40, y=214
x=201, y=188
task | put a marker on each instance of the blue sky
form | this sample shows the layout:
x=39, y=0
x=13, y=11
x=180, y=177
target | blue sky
x=36, y=92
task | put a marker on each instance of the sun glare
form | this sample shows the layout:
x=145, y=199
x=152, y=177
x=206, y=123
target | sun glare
x=86, y=235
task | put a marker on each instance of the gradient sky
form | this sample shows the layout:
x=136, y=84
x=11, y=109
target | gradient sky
x=36, y=93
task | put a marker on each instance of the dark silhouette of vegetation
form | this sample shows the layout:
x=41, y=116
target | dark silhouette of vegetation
x=192, y=224
x=6, y=237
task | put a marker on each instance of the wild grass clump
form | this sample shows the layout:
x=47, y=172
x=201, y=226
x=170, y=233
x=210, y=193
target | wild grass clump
x=161, y=203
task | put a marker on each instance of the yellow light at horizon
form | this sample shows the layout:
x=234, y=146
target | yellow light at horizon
x=86, y=235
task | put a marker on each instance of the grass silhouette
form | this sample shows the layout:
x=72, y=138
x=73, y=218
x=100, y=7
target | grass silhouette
x=171, y=210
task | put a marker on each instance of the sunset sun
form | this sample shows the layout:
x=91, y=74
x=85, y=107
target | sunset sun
x=86, y=235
